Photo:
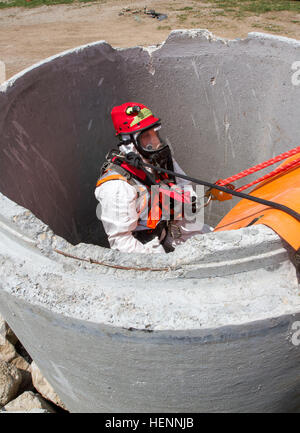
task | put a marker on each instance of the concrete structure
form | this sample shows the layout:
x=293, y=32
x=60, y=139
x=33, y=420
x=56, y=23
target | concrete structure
x=210, y=327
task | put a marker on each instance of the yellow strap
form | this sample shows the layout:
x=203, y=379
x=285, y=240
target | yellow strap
x=111, y=177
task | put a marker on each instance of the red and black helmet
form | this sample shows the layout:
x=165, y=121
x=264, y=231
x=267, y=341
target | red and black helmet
x=132, y=117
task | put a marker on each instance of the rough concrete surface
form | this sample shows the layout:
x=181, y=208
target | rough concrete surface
x=206, y=328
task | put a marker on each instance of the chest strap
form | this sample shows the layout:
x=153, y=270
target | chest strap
x=122, y=175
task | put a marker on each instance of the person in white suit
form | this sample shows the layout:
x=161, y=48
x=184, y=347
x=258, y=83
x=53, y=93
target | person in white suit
x=142, y=210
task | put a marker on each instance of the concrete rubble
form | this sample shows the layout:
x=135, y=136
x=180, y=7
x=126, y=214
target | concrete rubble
x=10, y=379
x=43, y=386
x=27, y=402
x=22, y=385
x=206, y=328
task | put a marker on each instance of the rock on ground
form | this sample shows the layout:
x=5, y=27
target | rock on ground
x=27, y=402
x=10, y=380
x=25, y=369
x=26, y=411
x=20, y=377
x=7, y=332
x=43, y=386
x=7, y=350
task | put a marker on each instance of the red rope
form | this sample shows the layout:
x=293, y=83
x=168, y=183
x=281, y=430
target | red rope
x=258, y=167
x=271, y=174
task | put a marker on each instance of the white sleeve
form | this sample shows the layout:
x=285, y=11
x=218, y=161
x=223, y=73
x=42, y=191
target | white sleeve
x=119, y=217
x=178, y=169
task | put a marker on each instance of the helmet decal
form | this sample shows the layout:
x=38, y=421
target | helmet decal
x=143, y=114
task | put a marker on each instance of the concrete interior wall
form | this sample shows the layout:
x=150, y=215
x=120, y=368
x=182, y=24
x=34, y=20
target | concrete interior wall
x=225, y=105
x=54, y=135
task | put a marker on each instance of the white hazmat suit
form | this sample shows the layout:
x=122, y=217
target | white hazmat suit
x=120, y=210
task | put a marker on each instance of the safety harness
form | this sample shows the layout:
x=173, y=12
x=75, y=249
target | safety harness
x=164, y=199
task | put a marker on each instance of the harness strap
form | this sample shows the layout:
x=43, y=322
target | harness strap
x=160, y=198
x=141, y=175
x=111, y=177
x=122, y=175
x=155, y=211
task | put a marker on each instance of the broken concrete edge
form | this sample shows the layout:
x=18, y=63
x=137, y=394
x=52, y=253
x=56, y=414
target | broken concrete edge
x=234, y=249
x=203, y=34
x=149, y=300
x=12, y=80
x=139, y=298
x=226, y=333
x=274, y=38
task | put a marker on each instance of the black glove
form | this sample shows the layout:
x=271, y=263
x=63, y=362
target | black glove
x=134, y=159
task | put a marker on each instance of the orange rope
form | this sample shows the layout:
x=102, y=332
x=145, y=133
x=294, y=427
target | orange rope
x=255, y=168
x=272, y=173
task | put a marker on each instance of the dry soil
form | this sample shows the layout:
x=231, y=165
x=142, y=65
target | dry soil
x=28, y=35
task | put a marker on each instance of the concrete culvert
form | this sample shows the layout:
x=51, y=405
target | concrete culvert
x=211, y=327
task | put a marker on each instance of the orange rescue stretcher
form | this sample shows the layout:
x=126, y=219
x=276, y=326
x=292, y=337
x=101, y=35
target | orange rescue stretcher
x=283, y=188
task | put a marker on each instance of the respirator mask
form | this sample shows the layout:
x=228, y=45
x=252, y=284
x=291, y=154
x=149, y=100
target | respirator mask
x=152, y=147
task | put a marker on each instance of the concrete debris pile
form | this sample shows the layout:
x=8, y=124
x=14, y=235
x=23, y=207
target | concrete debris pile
x=22, y=385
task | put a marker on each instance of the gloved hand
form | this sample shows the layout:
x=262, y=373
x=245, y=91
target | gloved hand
x=134, y=159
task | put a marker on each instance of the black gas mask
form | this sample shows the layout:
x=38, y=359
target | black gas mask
x=151, y=146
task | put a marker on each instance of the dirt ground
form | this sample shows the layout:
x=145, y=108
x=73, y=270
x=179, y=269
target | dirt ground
x=28, y=35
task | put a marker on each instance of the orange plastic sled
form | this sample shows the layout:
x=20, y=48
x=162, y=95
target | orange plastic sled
x=283, y=188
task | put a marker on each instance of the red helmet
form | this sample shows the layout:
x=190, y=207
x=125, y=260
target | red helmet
x=132, y=117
